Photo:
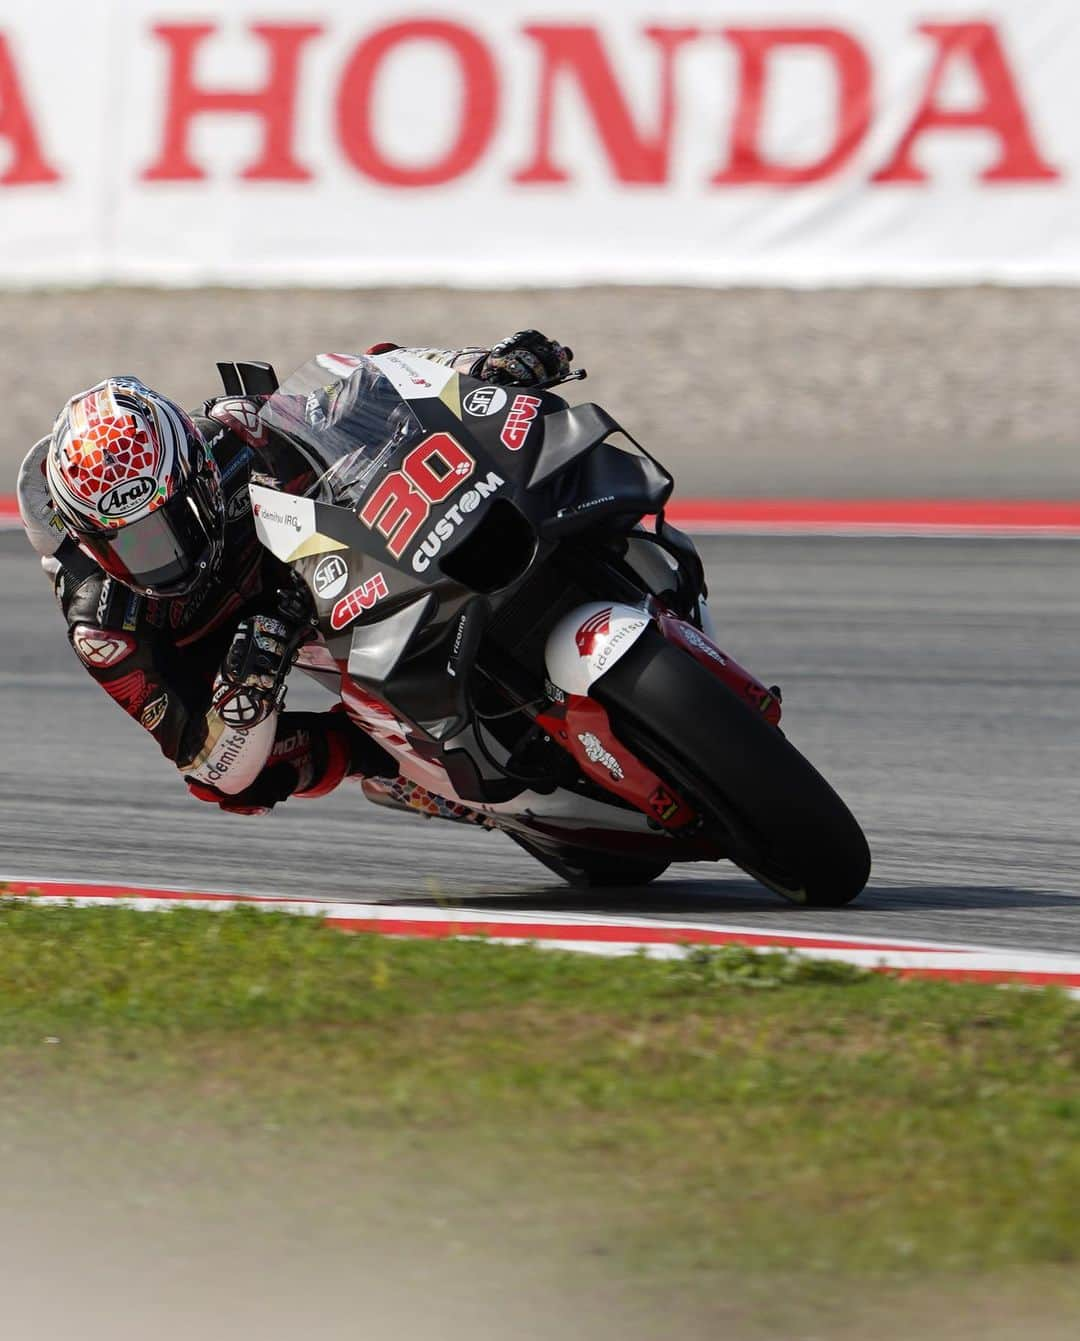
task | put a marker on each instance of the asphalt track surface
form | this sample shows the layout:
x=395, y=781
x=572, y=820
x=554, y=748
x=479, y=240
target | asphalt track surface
x=936, y=683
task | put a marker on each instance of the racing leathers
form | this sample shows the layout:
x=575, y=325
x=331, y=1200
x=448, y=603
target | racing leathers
x=204, y=674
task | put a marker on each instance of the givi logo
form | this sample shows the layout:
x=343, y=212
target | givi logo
x=518, y=422
x=358, y=600
x=595, y=627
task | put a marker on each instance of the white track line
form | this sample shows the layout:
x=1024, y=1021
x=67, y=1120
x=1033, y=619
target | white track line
x=596, y=933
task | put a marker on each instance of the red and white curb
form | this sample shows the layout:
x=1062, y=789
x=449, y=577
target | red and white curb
x=597, y=934
x=996, y=519
x=1001, y=519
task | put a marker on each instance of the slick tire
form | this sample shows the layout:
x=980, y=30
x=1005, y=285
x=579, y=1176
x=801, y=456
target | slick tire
x=783, y=823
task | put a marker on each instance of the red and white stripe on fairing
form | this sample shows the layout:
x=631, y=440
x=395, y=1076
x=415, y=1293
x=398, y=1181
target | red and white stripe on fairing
x=598, y=934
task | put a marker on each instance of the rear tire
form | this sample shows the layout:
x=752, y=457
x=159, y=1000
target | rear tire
x=783, y=823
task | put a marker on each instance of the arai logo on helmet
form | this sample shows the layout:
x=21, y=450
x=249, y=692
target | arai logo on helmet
x=128, y=497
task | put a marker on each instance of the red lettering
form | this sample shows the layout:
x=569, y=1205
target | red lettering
x=396, y=511
x=27, y=166
x=747, y=163
x=274, y=104
x=1000, y=111
x=515, y=431
x=358, y=600
x=400, y=505
x=577, y=52
x=479, y=108
x=456, y=465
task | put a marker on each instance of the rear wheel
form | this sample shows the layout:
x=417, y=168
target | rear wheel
x=782, y=822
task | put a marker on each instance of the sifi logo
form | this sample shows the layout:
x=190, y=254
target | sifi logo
x=485, y=401
x=518, y=422
x=128, y=497
x=595, y=627
x=358, y=600
x=329, y=577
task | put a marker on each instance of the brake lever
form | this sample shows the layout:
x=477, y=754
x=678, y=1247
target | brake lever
x=578, y=375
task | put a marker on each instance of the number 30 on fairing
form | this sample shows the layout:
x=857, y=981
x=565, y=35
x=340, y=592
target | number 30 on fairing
x=401, y=504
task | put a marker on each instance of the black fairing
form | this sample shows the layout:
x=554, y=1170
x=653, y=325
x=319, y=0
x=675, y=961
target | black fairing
x=469, y=596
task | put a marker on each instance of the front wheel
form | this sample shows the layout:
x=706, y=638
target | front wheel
x=782, y=822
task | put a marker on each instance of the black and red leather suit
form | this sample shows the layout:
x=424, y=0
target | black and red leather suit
x=158, y=659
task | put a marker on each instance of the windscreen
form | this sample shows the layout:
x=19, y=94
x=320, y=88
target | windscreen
x=345, y=414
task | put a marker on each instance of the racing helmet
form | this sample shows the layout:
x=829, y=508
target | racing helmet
x=136, y=487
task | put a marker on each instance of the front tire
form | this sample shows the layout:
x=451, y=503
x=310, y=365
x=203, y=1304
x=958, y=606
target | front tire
x=783, y=823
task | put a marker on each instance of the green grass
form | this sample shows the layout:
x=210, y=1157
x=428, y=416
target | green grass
x=758, y=1116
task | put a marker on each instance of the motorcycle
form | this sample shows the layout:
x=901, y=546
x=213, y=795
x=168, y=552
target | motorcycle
x=494, y=608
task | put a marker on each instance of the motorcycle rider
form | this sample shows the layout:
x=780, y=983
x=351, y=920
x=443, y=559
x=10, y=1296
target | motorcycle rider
x=142, y=517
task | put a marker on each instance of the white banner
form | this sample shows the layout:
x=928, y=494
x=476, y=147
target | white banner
x=755, y=141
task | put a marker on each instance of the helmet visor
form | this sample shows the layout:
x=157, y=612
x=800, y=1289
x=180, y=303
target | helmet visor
x=165, y=553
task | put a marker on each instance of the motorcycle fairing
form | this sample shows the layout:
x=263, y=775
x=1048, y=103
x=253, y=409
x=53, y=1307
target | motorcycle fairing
x=402, y=416
x=406, y=660
x=474, y=519
x=564, y=475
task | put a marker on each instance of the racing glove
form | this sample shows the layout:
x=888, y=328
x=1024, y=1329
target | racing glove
x=251, y=683
x=525, y=359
